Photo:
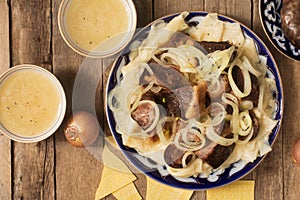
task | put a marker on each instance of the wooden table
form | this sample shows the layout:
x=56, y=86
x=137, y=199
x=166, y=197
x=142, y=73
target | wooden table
x=53, y=169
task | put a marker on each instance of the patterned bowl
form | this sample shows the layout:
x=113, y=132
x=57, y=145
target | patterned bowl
x=269, y=11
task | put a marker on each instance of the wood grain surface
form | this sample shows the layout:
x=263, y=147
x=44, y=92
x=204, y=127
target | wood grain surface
x=33, y=164
x=5, y=143
x=53, y=169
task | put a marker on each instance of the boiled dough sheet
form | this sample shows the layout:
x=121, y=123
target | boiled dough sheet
x=240, y=190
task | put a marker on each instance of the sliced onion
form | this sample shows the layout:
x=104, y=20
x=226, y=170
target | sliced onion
x=200, y=136
x=185, y=157
x=222, y=58
x=156, y=111
x=193, y=169
x=149, y=87
x=160, y=130
x=182, y=142
x=156, y=89
x=135, y=99
x=233, y=102
x=247, y=80
x=203, y=123
x=249, y=67
x=213, y=136
x=246, y=105
x=194, y=52
x=270, y=102
x=245, y=123
x=148, y=68
x=261, y=95
x=247, y=139
x=159, y=61
x=119, y=71
x=177, y=57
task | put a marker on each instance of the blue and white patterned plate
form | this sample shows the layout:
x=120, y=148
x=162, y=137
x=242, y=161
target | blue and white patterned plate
x=269, y=11
x=159, y=172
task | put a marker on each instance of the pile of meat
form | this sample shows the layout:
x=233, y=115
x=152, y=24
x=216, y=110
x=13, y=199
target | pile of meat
x=182, y=99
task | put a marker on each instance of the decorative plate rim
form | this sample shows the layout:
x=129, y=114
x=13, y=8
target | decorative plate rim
x=268, y=33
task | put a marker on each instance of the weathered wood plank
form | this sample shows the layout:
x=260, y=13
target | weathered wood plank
x=4, y=36
x=166, y=7
x=33, y=173
x=144, y=12
x=78, y=172
x=239, y=10
x=290, y=71
x=269, y=174
x=34, y=170
x=5, y=143
x=31, y=32
x=290, y=127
